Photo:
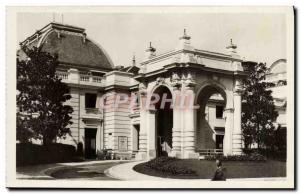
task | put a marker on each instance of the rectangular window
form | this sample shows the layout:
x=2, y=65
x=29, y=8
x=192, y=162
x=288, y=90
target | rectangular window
x=90, y=100
x=219, y=112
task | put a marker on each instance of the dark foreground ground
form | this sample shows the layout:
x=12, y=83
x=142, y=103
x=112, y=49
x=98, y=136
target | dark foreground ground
x=205, y=169
x=63, y=171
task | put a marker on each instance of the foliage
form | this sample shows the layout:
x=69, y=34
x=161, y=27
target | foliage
x=248, y=157
x=40, y=97
x=258, y=109
x=275, y=154
x=32, y=154
x=167, y=165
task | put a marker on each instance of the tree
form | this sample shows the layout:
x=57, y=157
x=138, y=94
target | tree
x=40, y=98
x=258, y=109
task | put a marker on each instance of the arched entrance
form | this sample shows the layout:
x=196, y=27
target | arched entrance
x=164, y=121
x=210, y=121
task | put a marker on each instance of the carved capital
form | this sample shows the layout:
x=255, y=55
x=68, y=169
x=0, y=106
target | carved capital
x=142, y=89
x=160, y=80
x=176, y=81
x=190, y=80
x=238, y=86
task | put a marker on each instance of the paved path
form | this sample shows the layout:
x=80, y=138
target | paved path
x=87, y=170
x=126, y=172
x=100, y=170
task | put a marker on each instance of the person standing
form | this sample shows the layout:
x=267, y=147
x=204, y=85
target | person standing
x=219, y=173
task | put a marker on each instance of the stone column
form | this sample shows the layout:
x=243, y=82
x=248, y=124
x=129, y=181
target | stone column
x=237, y=128
x=227, y=142
x=142, y=152
x=189, y=113
x=151, y=133
x=176, y=131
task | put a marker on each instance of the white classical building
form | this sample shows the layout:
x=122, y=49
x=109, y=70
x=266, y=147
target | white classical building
x=200, y=77
x=277, y=75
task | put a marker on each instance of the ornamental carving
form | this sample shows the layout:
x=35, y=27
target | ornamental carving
x=238, y=86
x=142, y=89
x=160, y=80
x=175, y=80
x=190, y=79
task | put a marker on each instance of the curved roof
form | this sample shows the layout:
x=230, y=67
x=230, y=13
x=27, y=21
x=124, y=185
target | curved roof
x=72, y=46
x=278, y=66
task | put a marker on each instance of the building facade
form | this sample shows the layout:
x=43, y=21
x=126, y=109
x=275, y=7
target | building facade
x=104, y=118
x=278, y=76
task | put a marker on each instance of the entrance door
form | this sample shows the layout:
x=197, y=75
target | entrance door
x=219, y=141
x=90, y=143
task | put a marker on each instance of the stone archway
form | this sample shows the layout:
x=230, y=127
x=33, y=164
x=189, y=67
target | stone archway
x=210, y=124
x=163, y=121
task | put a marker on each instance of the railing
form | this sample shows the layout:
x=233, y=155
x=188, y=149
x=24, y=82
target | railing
x=209, y=152
x=96, y=79
x=84, y=78
x=90, y=78
x=63, y=75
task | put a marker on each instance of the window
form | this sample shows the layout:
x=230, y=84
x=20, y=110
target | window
x=219, y=112
x=90, y=100
x=137, y=100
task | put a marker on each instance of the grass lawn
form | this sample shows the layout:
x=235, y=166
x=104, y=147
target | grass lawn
x=234, y=169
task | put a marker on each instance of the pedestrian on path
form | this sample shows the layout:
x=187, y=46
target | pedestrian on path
x=219, y=173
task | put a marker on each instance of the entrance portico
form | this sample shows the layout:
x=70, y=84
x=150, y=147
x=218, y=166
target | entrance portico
x=188, y=77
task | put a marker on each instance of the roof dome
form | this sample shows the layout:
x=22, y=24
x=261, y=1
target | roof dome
x=71, y=45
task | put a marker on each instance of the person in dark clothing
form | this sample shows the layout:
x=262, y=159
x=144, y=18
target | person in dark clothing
x=219, y=173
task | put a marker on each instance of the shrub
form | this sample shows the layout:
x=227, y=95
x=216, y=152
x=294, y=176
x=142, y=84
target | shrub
x=269, y=153
x=168, y=165
x=79, y=150
x=31, y=154
x=248, y=157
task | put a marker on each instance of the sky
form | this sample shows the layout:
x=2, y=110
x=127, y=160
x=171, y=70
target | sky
x=259, y=37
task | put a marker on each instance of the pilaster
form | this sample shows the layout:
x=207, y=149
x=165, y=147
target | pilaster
x=177, y=130
x=227, y=142
x=237, y=128
x=189, y=115
x=143, y=140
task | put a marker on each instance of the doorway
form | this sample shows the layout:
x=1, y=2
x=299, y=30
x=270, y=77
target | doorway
x=212, y=100
x=164, y=122
x=219, y=141
x=90, y=143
